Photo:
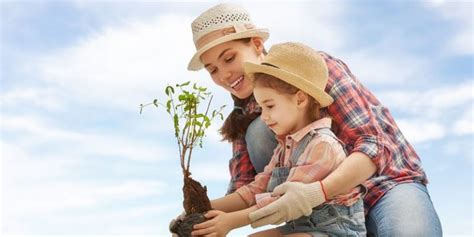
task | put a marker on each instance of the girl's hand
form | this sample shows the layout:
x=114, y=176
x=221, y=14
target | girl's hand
x=218, y=225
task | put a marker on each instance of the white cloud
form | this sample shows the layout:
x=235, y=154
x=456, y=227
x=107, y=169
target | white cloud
x=425, y=114
x=313, y=23
x=73, y=206
x=433, y=101
x=460, y=12
x=370, y=67
x=120, y=64
x=464, y=125
x=418, y=131
x=35, y=132
x=43, y=98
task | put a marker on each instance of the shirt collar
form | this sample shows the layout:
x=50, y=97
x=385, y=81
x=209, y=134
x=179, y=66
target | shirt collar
x=297, y=136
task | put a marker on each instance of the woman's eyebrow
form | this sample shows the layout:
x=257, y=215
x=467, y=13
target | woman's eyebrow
x=219, y=57
x=222, y=53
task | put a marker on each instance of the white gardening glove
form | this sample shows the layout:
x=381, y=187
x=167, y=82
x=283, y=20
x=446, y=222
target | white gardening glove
x=297, y=199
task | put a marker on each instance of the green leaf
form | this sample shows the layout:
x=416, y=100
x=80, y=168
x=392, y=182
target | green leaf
x=168, y=90
x=185, y=84
x=168, y=106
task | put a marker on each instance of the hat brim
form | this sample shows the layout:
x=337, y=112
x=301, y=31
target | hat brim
x=195, y=64
x=321, y=96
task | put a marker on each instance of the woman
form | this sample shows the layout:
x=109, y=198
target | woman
x=397, y=202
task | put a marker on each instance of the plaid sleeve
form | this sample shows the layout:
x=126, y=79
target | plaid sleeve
x=241, y=169
x=354, y=111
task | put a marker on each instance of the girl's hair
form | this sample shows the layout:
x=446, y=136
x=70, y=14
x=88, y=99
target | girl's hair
x=236, y=124
x=269, y=81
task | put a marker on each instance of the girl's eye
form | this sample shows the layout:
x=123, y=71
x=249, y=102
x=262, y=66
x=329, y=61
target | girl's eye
x=212, y=71
x=269, y=106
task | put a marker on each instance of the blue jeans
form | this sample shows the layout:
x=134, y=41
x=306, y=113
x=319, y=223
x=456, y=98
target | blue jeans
x=261, y=142
x=405, y=210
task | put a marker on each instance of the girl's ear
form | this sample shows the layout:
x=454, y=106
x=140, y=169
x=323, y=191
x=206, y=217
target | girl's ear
x=302, y=99
x=258, y=45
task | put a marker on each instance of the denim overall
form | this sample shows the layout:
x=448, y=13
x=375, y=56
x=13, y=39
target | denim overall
x=325, y=220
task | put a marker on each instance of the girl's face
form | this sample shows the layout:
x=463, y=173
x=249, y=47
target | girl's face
x=283, y=113
x=224, y=63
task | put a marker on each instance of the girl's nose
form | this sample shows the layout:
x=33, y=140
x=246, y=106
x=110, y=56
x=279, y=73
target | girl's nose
x=264, y=116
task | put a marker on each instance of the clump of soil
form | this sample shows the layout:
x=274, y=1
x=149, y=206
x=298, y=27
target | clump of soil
x=196, y=204
x=183, y=228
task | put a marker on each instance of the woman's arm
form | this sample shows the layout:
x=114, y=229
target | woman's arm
x=298, y=199
x=354, y=170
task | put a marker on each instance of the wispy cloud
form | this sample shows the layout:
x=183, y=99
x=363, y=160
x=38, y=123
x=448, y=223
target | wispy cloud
x=432, y=101
x=33, y=132
x=427, y=115
x=119, y=65
x=460, y=13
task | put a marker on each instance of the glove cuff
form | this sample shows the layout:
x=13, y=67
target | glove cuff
x=324, y=192
x=316, y=194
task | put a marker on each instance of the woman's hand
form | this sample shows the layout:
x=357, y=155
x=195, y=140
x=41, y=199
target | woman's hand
x=218, y=225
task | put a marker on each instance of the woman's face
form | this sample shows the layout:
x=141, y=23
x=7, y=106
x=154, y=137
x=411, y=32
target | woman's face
x=224, y=63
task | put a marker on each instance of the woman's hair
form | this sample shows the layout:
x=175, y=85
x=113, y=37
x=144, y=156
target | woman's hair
x=247, y=41
x=236, y=124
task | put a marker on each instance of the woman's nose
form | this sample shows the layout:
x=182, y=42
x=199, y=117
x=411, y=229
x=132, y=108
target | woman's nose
x=224, y=76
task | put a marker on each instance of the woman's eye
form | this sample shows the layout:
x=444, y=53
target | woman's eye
x=229, y=59
x=269, y=106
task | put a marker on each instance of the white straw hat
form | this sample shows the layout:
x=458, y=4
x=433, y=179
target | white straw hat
x=220, y=24
x=297, y=65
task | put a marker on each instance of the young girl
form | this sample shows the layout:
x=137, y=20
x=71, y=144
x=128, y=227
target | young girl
x=291, y=98
x=379, y=156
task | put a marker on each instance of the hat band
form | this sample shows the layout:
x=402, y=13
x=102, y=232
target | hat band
x=213, y=35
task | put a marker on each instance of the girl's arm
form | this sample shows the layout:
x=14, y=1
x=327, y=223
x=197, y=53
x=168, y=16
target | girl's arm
x=221, y=223
x=230, y=203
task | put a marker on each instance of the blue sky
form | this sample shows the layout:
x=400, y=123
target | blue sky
x=78, y=159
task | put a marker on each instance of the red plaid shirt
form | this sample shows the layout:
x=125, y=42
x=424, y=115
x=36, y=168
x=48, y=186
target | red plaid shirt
x=367, y=126
x=364, y=125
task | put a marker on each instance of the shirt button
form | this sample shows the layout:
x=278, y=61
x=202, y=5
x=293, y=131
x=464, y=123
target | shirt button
x=288, y=146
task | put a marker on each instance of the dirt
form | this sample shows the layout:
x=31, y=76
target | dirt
x=184, y=227
x=196, y=204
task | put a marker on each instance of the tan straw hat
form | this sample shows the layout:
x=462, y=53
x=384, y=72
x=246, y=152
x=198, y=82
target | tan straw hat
x=298, y=65
x=220, y=24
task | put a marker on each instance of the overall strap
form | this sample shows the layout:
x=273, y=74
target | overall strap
x=295, y=155
x=329, y=132
x=307, y=138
